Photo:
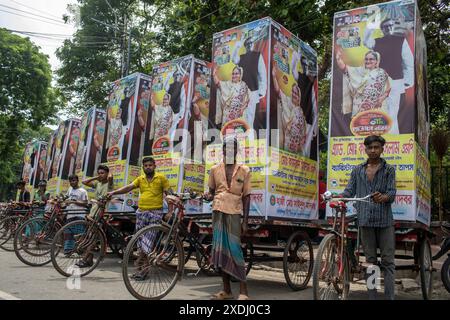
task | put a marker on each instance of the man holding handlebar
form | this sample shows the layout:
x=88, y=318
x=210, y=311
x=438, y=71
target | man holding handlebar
x=375, y=219
x=152, y=187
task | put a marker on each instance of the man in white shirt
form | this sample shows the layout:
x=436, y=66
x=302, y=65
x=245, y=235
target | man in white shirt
x=77, y=200
x=76, y=209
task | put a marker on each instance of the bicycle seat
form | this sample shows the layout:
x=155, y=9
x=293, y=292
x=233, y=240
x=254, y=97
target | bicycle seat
x=338, y=204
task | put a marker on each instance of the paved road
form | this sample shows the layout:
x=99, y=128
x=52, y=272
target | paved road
x=18, y=281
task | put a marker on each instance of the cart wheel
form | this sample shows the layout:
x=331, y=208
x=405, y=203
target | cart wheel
x=445, y=274
x=298, y=260
x=426, y=269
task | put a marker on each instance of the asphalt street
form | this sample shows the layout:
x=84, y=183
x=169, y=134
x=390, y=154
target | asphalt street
x=19, y=281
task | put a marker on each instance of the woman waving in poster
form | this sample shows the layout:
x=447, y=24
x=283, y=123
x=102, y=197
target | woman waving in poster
x=291, y=120
x=232, y=97
x=162, y=117
x=365, y=87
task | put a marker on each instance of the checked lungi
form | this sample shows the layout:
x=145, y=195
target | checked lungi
x=226, y=245
x=69, y=233
x=145, y=218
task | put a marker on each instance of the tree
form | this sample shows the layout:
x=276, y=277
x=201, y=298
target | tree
x=27, y=101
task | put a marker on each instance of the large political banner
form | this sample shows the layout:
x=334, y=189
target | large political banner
x=92, y=131
x=34, y=164
x=252, y=153
x=264, y=92
x=240, y=79
x=293, y=168
x=379, y=88
x=169, y=99
x=399, y=150
x=61, y=156
x=423, y=186
x=195, y=148
x=123, y=142
x=30, y=157
x=373, y=70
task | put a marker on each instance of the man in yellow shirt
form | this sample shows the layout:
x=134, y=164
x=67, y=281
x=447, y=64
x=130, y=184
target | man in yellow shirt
x=152, y=187
x=230, y=188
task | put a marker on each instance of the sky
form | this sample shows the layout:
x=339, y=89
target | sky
x=43, y=17
x=40, y=16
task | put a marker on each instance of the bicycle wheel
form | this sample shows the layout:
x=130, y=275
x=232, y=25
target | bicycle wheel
x=328, y=282
x=159, y=265
x=76, y=241
x=298, y=260
x=8, y=228
x=33, y=241
x=426, y=269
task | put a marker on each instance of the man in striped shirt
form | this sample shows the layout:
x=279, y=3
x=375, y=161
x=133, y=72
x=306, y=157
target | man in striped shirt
x=375, y=218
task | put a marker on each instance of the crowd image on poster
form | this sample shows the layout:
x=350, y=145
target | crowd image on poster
x=239, y=88
x=373, y=70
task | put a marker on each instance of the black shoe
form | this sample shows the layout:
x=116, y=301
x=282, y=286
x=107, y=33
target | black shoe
x=84, y=264
x=139, y=276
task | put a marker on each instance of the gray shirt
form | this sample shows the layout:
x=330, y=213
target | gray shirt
x=371, y=214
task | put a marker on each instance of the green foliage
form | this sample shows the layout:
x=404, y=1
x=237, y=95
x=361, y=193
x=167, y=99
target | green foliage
x=27, y=101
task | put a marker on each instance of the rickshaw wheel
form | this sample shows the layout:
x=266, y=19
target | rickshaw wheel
x=298, y=260
x=426, y=269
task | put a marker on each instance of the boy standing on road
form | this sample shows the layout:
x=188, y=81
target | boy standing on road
x=102, y=183
x=375, y=219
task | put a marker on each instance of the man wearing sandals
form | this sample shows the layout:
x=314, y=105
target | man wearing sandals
x=229, y=186
x=102, y=183
x=152, y=187
x=375, y=220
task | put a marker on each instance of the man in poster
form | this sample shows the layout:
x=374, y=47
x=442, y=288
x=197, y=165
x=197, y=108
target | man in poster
x=396, y=59
x=177, y=94
x=254, y=75
x=305, y=82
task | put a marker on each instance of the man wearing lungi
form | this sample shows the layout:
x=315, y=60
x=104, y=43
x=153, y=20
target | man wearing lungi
x=152, y=187
x=229, y=186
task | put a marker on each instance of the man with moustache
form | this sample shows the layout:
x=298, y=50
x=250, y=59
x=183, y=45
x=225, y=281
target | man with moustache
x=152, y=187
x=230, y=187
